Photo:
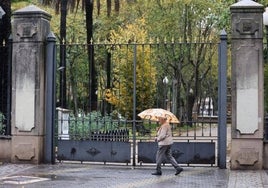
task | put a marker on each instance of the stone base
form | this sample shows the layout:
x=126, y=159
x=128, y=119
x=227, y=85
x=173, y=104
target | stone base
x=27, y=149
x=265, y=155
x=5, y=148
x=247, y=154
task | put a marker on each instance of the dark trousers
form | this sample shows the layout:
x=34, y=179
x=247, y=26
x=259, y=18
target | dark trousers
x=162, y=153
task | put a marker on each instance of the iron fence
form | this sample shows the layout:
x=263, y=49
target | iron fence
x=102, y=87
x=180, y=77
x=5, y=91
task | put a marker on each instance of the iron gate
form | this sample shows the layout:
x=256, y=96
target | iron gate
x=100, y=88
x=5, y=92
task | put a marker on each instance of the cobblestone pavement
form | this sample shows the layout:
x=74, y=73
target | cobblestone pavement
x=250, y=178
x=10, y=169
x=70, y=175
x=81, y=175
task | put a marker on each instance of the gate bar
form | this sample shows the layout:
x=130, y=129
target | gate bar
x=134, y=104
x=9, y=82
x=50, y=99
x=222, y=93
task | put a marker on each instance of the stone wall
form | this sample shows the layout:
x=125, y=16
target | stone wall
x=5, y=148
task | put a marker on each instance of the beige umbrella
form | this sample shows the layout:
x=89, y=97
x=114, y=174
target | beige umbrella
x=153, y=114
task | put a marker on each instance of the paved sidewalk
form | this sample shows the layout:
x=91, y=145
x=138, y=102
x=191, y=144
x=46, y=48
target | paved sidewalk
x=70, y=175
x=250, y=178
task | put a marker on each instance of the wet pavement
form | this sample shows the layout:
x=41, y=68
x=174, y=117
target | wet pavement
x=72, y=175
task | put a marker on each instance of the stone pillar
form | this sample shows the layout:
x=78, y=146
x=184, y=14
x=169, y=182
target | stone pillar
x=31, y=26
x=247, y=85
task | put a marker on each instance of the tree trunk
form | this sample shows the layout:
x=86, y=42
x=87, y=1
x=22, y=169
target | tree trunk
x=5, y=31
x=92, y=71
x=109, y=8
x=98, y=7
x=190, y=105
x=63, y=10
x=116, y=6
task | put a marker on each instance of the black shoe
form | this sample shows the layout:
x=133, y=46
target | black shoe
x=179, y=170
x=157, y=173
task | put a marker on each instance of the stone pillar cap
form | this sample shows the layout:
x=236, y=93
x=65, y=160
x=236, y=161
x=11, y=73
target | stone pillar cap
x=31, y=10
x=246, y=4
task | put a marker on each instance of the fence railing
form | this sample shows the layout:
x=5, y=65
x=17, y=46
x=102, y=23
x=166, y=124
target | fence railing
x=5, y=91
x=191, y=69
x=106, y=82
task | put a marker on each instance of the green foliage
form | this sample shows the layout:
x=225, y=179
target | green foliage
x=2, y=125
x=84, y=125
x=180, y=21
x=186, y=19
x=18, y=5
x=121, y=96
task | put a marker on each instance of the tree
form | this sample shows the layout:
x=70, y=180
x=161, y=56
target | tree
x=63, y=10
x=5, y=31
x=88, y=5
x=198, y=25
x=196, y=21
x=121, y=94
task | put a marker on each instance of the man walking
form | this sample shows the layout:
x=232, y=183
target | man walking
x=165, y=140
